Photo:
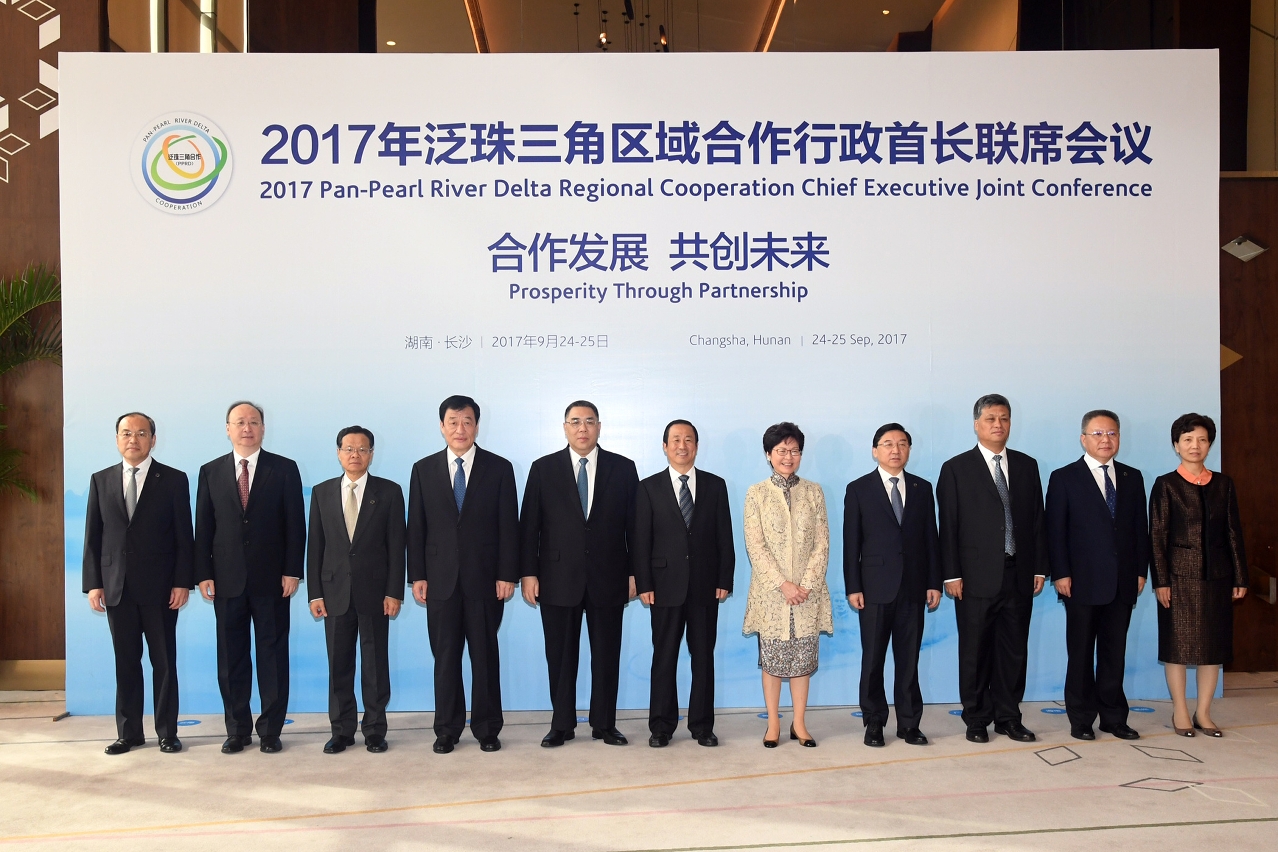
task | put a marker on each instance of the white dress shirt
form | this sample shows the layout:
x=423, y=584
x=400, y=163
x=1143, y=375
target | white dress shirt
x=900, y=481
x=592, y=462
x=252, y=460
x=989, y=463
x=468, y=462
x=143, y=467
x=1099, y=475
x=678, y=486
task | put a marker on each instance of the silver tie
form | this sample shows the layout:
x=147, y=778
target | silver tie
x=131, y=493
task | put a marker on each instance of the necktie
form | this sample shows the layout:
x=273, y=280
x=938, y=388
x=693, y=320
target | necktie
x=244, y=484
x=685, y=500
x=131, y=493
x=583, y=487
x=1111, y=496
x=1000, y=482
x=459, y=484
x=898, y=505
x=351, y=510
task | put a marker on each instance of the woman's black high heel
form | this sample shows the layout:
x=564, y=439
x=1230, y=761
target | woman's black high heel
x=794, y=736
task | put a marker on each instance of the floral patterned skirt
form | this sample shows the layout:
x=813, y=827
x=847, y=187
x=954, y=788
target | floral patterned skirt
x=791, y=657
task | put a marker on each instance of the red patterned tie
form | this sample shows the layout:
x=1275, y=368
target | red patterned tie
x=244, y=483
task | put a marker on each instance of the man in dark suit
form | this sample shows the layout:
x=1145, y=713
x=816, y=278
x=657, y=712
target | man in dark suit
x=994, y=559
x=575, y=527
x=683, y=560
x=355, y=551
x=1098, y=544
x=250, y=543
x=463, y=561
x=891, y=570
x=138, y=558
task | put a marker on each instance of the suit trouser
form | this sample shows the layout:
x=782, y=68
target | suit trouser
x=372, y=629
x=902, y=623
x=668, y=623
x=269, y=617
x=451, y=624
x=562, y=626
x=993, y=652
x=129, y=622
x=1096, y=633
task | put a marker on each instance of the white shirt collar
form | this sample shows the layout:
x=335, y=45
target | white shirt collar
x=468, y=458
x=674, y=476
x=360, y=483
x=593, y=456
x=885, y=476
x=143, y=466
x=1093, y=464
x=989, y=454
x=252, y=459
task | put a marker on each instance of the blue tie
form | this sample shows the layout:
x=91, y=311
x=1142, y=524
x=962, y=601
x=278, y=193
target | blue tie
x=1000, y=482
x=459, y=484
x=1111, y=496
x=685, y=500
x=583, y=488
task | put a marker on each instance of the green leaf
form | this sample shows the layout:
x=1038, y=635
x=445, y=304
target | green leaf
x=10, y=478
x=24, y=339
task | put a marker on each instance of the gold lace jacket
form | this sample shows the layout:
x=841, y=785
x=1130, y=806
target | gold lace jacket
x=787, y=543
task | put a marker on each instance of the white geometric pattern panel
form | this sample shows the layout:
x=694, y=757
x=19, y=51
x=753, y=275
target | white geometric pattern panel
x=43, y=99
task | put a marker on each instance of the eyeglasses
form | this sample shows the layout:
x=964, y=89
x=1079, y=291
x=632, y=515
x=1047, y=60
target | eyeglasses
x=892, y=445
x=351, y=451
x=783, y=452
x=240, y=424
x=141, y=434
x=1098, y=435
x=577, y=422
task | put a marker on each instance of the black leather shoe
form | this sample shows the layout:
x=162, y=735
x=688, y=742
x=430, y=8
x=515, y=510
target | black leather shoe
x=707, y=740
x=811, y=743
x=1015, y=731
x=977, y=734
x=554, y=739
x=611, y=736
x=659, y=740
x=912, y=736
x=337, y=744
x=235, y=744
x=1121, y=730
x=490, y=743
x=376, y=743
x=170, y=745
x=271, y=745
x=443, y=744
x=1082, y=732
x=874, y=735
x=121, y=746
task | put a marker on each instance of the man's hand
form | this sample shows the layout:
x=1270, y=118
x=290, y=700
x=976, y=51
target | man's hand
x=721, y=594
x=95, y=600
x=1038, y=584
x=531, y=588
x=206, y=589
x=1140, y=585
x=1063, y=586
x=857, y=600
x=933, y=599
x=646, y=598
x=954, y=588
x=505, y=590
x=317, y=609
x=1163, y=593
x=290, y=585
x=634, y=591
x=178, y=597
x=390, y=606
x=419, y=591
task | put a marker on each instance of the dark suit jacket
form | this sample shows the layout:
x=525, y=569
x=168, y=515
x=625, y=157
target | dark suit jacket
x=367, y=569
x=680, y=562
x=1195, y=531
x=475, y=548
x=250, y=549
x=568, y=552
x=882, y=558
x=154, y=552
x=1104, y=556
x=972, y=523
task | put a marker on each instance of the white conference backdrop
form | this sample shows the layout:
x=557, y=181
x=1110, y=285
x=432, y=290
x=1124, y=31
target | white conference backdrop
x=371, y=309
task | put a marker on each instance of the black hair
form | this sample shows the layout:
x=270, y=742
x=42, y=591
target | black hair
x=990, y=400
x=458, y=403
x=354, y=430
x=1100, y=412
x=891, y=427
x=780, y=432
x=120, y=420
x=261, y=415
x=665, y=436
x=1186, y=423
x=581, y=403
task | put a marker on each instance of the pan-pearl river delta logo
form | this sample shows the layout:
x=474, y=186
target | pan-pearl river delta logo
x=181, y=162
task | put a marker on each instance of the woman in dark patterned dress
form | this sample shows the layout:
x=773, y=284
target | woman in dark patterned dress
x=1200, y=569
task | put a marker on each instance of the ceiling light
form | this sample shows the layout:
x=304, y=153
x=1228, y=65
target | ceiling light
x=887, y=11
x=390, y=44
x=603, y=38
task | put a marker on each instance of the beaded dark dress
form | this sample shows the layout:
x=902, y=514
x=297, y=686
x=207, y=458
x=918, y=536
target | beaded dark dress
x=1197, y=547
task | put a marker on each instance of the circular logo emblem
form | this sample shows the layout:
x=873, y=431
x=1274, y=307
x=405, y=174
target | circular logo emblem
x=181, y=163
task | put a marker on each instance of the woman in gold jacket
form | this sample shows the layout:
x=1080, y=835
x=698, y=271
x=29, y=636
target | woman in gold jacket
x=788, y=540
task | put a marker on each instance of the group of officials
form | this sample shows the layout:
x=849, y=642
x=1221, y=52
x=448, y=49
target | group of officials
x=589, y=537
